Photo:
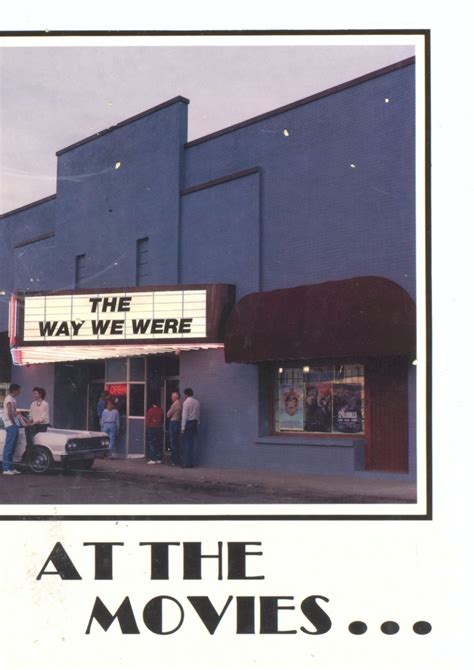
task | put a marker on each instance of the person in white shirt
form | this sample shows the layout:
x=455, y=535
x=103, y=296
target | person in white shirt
x=39, y=418
x=189, y=425
x=174, y=416
x=11, y=428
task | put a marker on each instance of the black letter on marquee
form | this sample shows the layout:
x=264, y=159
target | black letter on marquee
x=76, y=326
x=140, y=326
x=236, y=559
x=103, y=558
x=95, y=303
x=124, y=304
x=171, y=326
x=207, y=612
x=117, y=327
x=159, y=558
x=185, y=325
x=47, y=327
x=124, y=614
x=100, y=327
x=63, y=564
x=109, y=305
x=157, y=326
x=153, y=615
x=316, y=615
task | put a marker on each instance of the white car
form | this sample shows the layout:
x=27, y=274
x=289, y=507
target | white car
x=58, y=447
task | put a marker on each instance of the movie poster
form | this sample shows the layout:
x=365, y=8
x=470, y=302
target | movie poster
x=291, y=407
x=130, y=565
x=347, y=408
x=319, y=407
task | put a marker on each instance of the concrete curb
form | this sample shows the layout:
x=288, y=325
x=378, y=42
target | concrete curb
x=204, y=477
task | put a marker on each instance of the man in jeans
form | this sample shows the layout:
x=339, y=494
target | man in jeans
x=189, y=426
x=9, y=419
x=174, y=415
x=154, y=428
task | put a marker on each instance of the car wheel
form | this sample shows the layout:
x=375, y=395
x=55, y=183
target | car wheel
x=41, y=460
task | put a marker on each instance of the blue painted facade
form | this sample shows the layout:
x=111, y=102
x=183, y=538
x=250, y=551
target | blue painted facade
x=327, y=192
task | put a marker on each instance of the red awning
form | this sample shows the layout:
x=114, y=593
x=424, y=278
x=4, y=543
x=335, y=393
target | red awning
x=362, y=316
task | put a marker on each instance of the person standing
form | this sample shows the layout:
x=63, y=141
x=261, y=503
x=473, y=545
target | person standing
x=39, y=418
x=11, y=428
x=102, y=403
x=174, y=415
x=154, y=433
x=189, y=426
x=110, y=422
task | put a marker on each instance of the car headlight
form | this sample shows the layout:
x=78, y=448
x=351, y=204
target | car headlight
x=105, y=441
x=71, y=444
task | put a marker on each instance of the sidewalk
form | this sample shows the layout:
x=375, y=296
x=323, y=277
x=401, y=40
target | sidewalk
x=205, y=478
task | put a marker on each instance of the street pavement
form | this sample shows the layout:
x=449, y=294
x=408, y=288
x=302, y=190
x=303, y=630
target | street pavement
x=133, y=481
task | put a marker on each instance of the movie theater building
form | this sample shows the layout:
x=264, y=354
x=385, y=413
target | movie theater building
x=270, y=266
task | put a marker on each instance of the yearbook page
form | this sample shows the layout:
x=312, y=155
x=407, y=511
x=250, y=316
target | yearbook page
x=223, y=316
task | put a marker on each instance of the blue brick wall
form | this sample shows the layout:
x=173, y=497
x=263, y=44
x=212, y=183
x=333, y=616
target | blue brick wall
x=229, y=397
x=323, y=219
x=27, y=267
x=102, y=211
x=32, y=221
x=220, y=235
x=32, y=266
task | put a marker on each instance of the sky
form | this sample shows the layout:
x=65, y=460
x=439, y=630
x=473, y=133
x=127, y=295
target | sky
x=51, y=97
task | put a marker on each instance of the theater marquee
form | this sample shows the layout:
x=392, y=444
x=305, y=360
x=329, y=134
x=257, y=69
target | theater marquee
x=157, y=318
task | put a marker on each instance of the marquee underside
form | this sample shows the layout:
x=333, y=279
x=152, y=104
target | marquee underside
x=59, y=354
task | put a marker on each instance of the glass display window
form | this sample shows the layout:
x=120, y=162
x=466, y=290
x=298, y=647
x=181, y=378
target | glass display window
x=312, y=398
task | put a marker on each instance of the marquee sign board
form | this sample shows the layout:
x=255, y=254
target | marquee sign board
x=125, y=316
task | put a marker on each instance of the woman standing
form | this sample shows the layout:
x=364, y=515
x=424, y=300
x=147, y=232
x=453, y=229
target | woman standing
x=110, y=422
x=39, y=418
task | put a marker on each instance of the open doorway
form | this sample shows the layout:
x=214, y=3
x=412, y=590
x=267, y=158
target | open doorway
x=162, y=380
x=75, y=389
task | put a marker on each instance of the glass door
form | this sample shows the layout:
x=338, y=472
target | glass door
x=118, y=393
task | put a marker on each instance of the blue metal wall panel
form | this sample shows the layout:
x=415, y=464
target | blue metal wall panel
x=220, y=235
x=102, y=210
x=323, y=219
x=28, y=267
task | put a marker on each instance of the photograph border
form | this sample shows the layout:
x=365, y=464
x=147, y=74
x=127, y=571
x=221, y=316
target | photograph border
x=425, y=33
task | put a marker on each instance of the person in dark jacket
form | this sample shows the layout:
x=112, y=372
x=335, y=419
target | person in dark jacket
x=154, y=433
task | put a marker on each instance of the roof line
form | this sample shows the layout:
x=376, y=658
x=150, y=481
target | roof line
x=30, y=204
x=219, y=180
x=167, y=103
x=32, y=240
x=304, y=101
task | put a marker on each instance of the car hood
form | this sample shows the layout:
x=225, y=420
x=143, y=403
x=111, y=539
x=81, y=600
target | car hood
x=75, y=434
